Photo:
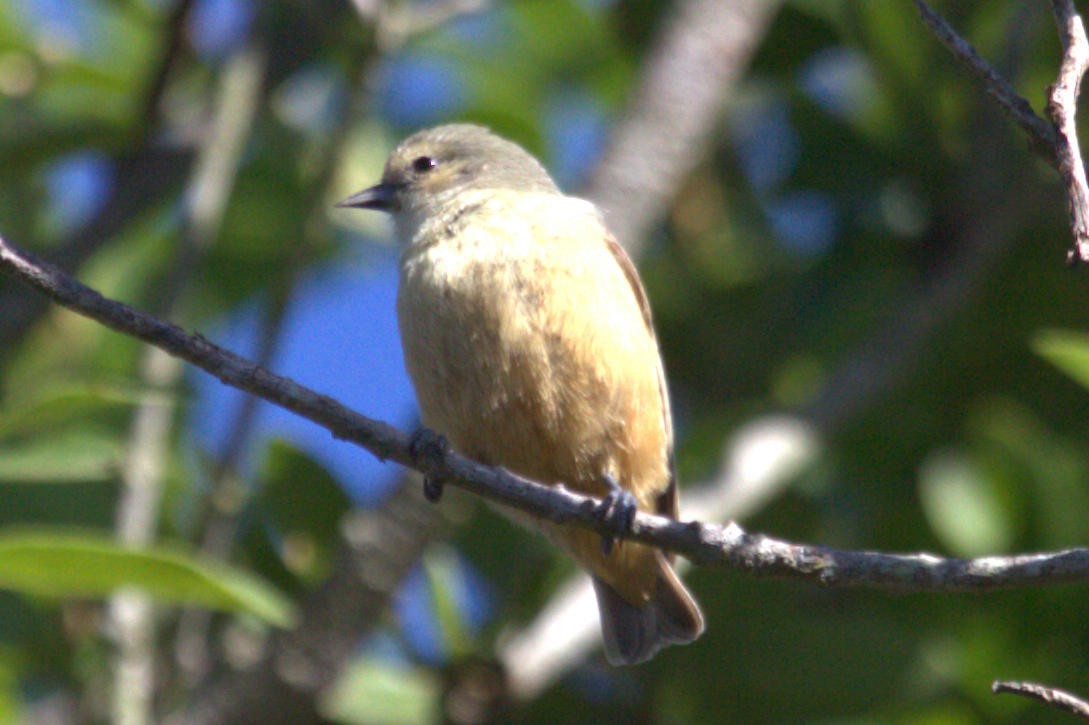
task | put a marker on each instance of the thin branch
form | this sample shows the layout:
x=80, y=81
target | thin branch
x=1062, y=107
x=131, y=612
x=131, y=616
x=379, y=547
x=996, y=86
x=1059, y=138
x=329, y=626
x=1056, y=698
x=705, y=544
x=170, y=51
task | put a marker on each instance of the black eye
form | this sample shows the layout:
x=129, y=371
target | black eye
x=423, y=164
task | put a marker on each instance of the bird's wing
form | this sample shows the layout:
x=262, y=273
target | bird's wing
x=667, y=502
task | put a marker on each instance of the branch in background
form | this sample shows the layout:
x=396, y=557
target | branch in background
x=705, y=544
x=142, y=178
x=170, y=51
x=332, y=628
x=692, y=69
x=1062, y=108
x=380, y=548
x=1056, y=698
x=217, y=524
x=1058, y=139
x=131, y=613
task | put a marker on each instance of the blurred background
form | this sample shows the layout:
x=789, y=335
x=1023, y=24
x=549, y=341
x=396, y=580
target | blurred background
x=856, y=269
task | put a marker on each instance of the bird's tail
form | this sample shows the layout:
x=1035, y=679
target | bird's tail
x=633, y=633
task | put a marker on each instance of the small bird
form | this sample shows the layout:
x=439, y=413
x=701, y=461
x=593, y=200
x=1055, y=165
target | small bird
x=529, y=341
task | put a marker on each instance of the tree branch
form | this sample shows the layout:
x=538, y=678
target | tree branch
x=1039, y=130
x=379, y=547
x=1056, y=698
x=1062, y=107
x=1059, y=138
x=705, y=544
x=131, y=612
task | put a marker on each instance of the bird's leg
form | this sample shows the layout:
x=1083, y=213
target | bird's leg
x=429, y=446
x=617, y=510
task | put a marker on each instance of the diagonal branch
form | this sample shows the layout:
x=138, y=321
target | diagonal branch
x=1057, y=139
x=1039, y=130
x=706, y=544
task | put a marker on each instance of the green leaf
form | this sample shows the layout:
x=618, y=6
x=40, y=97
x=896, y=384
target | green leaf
x=72, y=563
x=73, y=457
x=1066, y=350
x=962, y=505
x=58, y=403
x=306, y=504
x=446, y=579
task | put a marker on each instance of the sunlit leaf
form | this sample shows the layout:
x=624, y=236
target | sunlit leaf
x=444, y=575
x=1066, y=350
x=376, y=692
x=68, y=458
x=68, y=563
x=962, y=507
x=49, y=405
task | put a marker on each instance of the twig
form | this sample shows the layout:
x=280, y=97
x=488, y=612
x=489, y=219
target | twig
x=1059, y=138
x=1056, y=698
x=1062, y=107
x=168, y=56
x=1019, y=109
x=705, y=544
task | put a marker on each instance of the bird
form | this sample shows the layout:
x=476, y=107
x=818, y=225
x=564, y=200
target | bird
x=529, y=340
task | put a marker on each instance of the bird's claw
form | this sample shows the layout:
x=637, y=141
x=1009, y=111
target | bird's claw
x=428, y=446
x=617, y=510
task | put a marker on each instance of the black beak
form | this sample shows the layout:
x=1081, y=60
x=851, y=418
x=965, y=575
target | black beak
x=382, y=197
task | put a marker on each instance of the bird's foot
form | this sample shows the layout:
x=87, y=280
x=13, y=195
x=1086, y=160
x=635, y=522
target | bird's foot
x=617, y=510
x=431, y=447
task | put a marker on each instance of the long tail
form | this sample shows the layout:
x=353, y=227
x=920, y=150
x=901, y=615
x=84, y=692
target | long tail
x=633, y=634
